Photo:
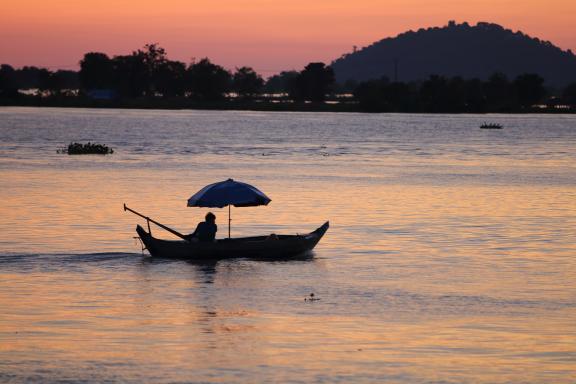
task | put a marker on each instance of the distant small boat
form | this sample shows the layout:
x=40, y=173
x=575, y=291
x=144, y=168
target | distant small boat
x=491, y=126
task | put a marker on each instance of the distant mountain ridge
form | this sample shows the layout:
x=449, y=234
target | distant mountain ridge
x=458, y=50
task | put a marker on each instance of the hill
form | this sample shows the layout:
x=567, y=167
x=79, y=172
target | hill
x=458, y=50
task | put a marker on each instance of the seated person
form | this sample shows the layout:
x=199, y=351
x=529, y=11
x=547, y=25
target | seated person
x=206, y=230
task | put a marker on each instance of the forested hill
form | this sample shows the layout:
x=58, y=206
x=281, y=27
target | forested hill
x=458, y=50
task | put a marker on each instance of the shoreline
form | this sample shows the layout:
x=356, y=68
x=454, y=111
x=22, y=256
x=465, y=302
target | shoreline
x=253, y=105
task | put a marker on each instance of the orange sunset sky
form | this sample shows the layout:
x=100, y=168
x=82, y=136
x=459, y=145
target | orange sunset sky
x=269, y=35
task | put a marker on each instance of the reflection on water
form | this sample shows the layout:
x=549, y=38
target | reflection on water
x=450, y=256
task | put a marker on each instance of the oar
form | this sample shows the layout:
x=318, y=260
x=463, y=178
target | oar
x=176, y=233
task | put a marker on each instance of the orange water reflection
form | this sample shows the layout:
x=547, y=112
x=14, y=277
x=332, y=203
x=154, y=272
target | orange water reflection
x=452, y=269
x=89, y=319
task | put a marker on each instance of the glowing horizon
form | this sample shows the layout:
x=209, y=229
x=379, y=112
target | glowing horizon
x=268, y=36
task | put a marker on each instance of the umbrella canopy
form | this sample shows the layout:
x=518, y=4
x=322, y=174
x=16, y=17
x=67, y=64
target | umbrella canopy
x=227, y=193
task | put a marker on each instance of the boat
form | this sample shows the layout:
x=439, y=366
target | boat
x=491, y=126
x=262, y=247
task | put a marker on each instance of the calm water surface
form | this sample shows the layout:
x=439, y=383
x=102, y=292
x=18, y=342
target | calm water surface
x=451, y=257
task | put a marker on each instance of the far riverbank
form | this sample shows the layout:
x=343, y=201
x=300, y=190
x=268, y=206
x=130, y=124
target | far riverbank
x=260, y=104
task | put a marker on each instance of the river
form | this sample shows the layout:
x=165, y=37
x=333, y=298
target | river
x=450, y=257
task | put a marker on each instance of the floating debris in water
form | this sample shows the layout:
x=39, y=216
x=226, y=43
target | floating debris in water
x=491, y=126
x=311, y=298
x=86, y=149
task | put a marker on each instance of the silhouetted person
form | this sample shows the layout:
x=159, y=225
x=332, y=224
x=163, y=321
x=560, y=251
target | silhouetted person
x=206, y=230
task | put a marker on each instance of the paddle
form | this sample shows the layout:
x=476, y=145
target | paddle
x=176, y=233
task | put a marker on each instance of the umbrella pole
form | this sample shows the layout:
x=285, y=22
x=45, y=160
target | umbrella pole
x=229, y=221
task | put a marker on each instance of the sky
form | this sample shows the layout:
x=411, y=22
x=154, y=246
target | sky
x=268, y=35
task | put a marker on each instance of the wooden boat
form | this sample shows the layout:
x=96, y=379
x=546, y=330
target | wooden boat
x=491, y=126
x=264, y=247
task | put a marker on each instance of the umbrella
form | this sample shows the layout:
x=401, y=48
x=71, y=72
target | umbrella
x=227, y=193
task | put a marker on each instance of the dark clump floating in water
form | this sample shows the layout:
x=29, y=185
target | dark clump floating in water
x=86, y=149
x=312, y=297
x=491, y=126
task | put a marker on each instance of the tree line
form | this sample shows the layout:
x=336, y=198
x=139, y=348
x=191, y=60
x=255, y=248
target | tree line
x=455, y=94
x=147, y=73
x=42, y=80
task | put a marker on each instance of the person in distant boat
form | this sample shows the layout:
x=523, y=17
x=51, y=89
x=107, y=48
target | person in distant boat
x=206, y=230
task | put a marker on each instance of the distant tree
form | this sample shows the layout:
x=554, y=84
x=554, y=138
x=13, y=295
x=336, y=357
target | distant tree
x=285, y=82
x=62, y=82
x=207, y=81
x=530, y=89
x=457, y=97
x=349, y=86
x=169, y=78
x=246, y=82
x=434, y=94
x=154, y=59
x=499, y=93
x=475, y=97
x=96, y=71
x=314, y=82
x=569, y=94
x=371, y=95
x=8, y=86
x=131, y=77
x=439, y=94
x=385, y=96
x=401, y=97
x=31, y=78
x=145, y=72
x=153, y=55
x=44, y=82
